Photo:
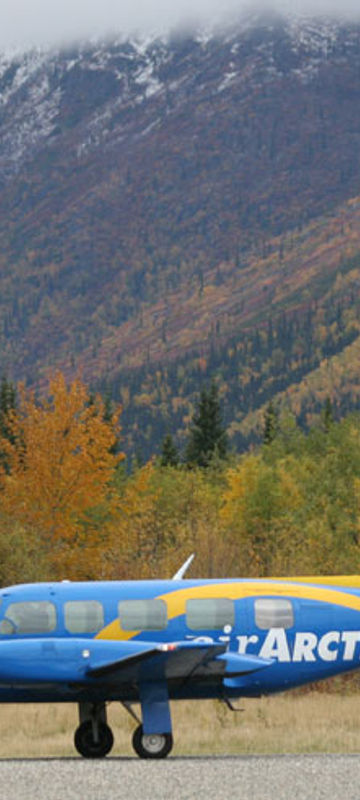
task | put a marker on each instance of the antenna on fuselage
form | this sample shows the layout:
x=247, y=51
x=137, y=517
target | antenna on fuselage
x=181, y=572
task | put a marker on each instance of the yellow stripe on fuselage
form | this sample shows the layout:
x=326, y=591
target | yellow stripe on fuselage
x=344, y=581
x=291, y=587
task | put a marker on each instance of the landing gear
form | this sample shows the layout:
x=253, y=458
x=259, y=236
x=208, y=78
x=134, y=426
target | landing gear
x=153, y=745
x=93, y=738
x=92, y=743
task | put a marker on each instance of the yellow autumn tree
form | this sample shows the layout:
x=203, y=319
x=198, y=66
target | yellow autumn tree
x=168, y=513
x=135, y=547
x=256, y=505
x=57, y=471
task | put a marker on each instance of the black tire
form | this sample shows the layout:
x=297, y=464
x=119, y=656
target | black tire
x=86, y=744
x=157, y=745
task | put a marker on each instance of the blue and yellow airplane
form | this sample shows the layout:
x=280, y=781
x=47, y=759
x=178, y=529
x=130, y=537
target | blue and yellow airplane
x=150, y=642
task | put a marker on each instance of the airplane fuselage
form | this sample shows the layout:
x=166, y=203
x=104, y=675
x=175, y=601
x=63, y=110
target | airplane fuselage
x=314, y=636
x=153, y=641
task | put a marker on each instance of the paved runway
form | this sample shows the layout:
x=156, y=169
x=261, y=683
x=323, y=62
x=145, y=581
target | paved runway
x=309, y=777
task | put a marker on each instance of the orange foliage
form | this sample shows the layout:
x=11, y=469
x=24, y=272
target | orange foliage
x=59, y=466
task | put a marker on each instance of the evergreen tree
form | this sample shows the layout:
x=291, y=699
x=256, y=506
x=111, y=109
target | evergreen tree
x=169, y=454
x=108, y=408
x=107, y=417
x=7, y=404
x=270, y=424
x=327, y=415
x=207, y=435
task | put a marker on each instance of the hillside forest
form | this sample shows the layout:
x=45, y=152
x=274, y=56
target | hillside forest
x=181, y=209
x=71, y=507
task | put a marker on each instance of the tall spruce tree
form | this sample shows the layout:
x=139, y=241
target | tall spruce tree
x=271, y=424
x=327, y=415
x=207, y=435
x=169, y=454
x=7, y=404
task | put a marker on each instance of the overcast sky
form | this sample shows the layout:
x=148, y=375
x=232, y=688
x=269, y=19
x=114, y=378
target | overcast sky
x=56, y=21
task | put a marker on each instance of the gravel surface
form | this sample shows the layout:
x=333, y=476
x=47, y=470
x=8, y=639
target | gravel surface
x=334, y=777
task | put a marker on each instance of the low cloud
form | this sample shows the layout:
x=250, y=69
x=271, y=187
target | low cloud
x=28, y=22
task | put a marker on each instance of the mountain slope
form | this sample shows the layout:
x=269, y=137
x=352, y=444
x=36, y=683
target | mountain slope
x=166, y=202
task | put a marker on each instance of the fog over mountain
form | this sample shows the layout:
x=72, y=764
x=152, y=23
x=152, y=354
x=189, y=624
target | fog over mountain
x=26, y=23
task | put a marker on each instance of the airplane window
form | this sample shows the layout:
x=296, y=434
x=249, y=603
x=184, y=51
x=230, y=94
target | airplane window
x=83, y=616
x=209, y=613
x=29, y=617
x=273, y=612
x=143, y=615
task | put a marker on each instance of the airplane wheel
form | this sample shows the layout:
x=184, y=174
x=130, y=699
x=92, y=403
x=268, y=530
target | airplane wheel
x=86, y=744
x=153, y=745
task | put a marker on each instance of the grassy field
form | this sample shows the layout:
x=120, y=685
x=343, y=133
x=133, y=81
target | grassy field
x=315, y=722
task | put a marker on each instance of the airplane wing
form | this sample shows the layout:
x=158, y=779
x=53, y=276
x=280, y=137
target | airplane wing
x=182, y=660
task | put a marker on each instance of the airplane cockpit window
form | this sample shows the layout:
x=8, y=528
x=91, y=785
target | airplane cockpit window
x=29, y=617
x=273, y=612
x=84, y=616
x=143, y=615
x=211, y=613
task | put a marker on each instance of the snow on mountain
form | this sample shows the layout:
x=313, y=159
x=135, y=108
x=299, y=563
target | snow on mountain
x=94, y=84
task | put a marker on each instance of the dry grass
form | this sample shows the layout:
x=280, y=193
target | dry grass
x=315, y=722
